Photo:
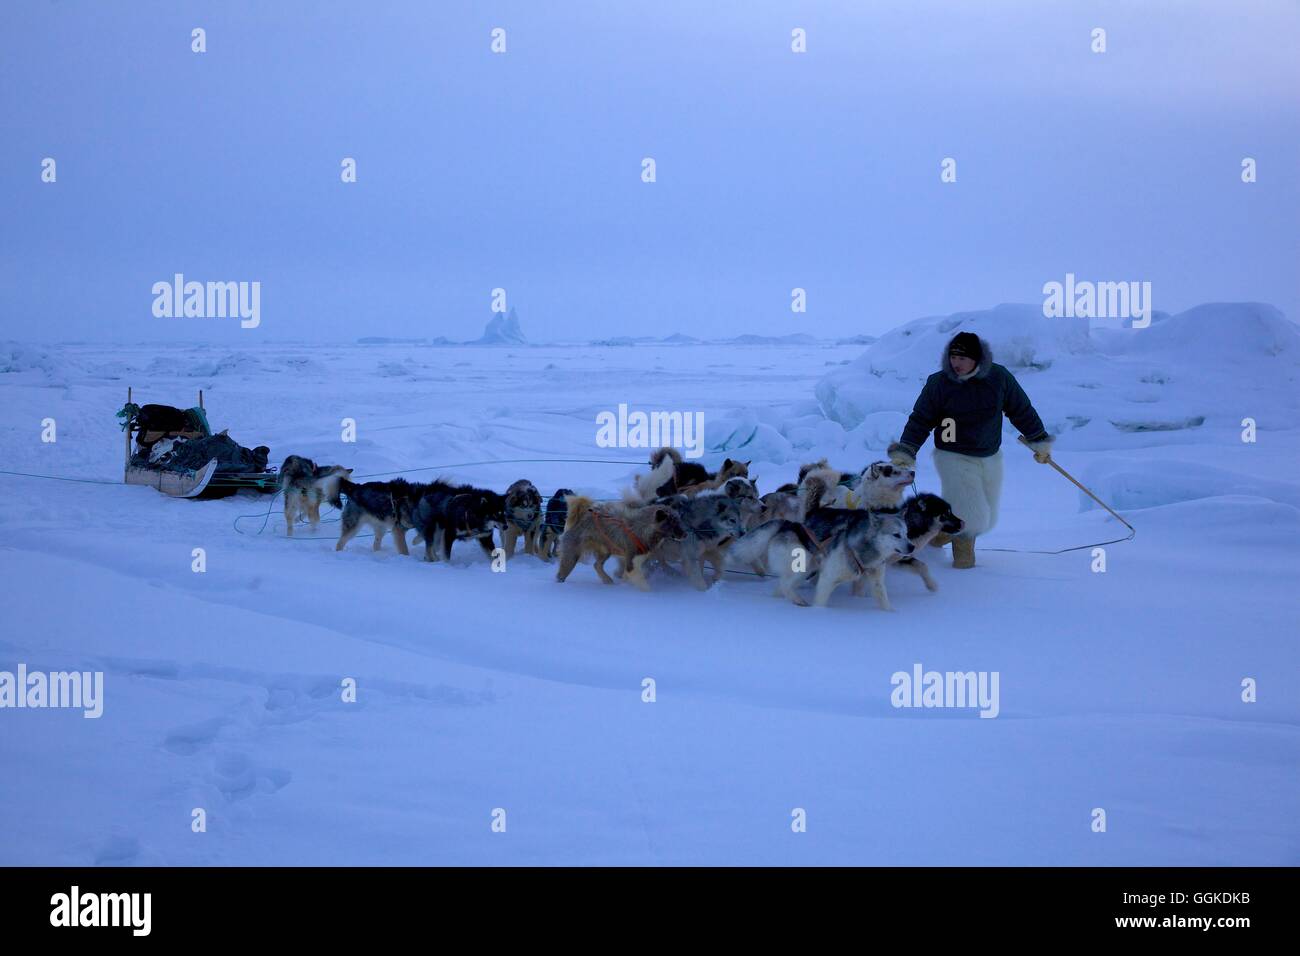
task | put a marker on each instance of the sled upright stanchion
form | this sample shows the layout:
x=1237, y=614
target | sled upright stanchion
x=126, y=463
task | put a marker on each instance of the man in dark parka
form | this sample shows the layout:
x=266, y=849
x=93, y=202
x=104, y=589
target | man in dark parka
x=963, y=404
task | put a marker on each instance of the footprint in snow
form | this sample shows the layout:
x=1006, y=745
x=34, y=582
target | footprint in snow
x=118, y=851
x=238, y=777
x=186, y=741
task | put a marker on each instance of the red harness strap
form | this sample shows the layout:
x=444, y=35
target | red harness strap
x=596, y=517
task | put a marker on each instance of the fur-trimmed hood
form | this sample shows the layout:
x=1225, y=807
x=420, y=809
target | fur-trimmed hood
x=977, y=406
x=981, y=370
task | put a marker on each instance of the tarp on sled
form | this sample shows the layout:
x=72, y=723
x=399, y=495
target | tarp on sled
x=178, y=442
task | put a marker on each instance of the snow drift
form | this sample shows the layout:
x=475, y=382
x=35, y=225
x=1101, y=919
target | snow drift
x=1206, y=368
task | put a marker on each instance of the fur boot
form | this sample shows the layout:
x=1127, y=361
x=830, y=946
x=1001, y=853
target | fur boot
x=963, y=552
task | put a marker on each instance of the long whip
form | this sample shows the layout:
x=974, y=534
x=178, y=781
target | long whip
x=1051, y=461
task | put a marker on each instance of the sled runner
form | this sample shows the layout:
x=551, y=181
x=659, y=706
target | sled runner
x=175, y=451
x=188, y=484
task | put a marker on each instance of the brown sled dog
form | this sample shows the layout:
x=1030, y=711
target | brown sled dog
x=628, y=533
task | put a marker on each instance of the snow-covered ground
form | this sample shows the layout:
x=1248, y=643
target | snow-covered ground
x=480, y=691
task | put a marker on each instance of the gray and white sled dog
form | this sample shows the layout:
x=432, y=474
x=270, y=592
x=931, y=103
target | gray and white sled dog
x=834, y=544
x=823, y=521
x=670, y=475
x=879, y=485
x=713, y=520
x=745, y=492
x=855, y=546
x=782, y=504
x=783, y=548
x=305, y=485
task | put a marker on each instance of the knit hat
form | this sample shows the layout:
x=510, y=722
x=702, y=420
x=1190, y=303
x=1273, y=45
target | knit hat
x=967, y=345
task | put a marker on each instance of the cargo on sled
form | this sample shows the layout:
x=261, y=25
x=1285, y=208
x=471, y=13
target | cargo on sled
x=174, y=450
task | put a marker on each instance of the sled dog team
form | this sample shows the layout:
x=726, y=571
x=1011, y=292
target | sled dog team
x=829, y=528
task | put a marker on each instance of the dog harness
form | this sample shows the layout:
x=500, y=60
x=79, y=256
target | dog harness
x=821, y=549
x=597, y=517
x=856, y=560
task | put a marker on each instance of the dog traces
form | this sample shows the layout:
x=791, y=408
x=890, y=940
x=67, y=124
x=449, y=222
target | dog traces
x=238, y=777
x=163, y=670
x=291, y=701
x=187, y=741
x=118, y=851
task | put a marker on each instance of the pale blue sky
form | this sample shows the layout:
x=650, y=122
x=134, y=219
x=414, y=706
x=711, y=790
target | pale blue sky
x=522, y=170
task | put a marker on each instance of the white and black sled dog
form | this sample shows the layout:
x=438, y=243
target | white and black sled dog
x=835, y=544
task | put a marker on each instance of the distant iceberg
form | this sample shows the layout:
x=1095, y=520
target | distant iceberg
x=503, y=330
x=500, y=330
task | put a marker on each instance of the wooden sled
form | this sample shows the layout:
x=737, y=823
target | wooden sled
x=177, y=484
x=192, y=484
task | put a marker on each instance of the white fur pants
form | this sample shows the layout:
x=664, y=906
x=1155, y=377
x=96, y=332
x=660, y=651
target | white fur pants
x=972, y=486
